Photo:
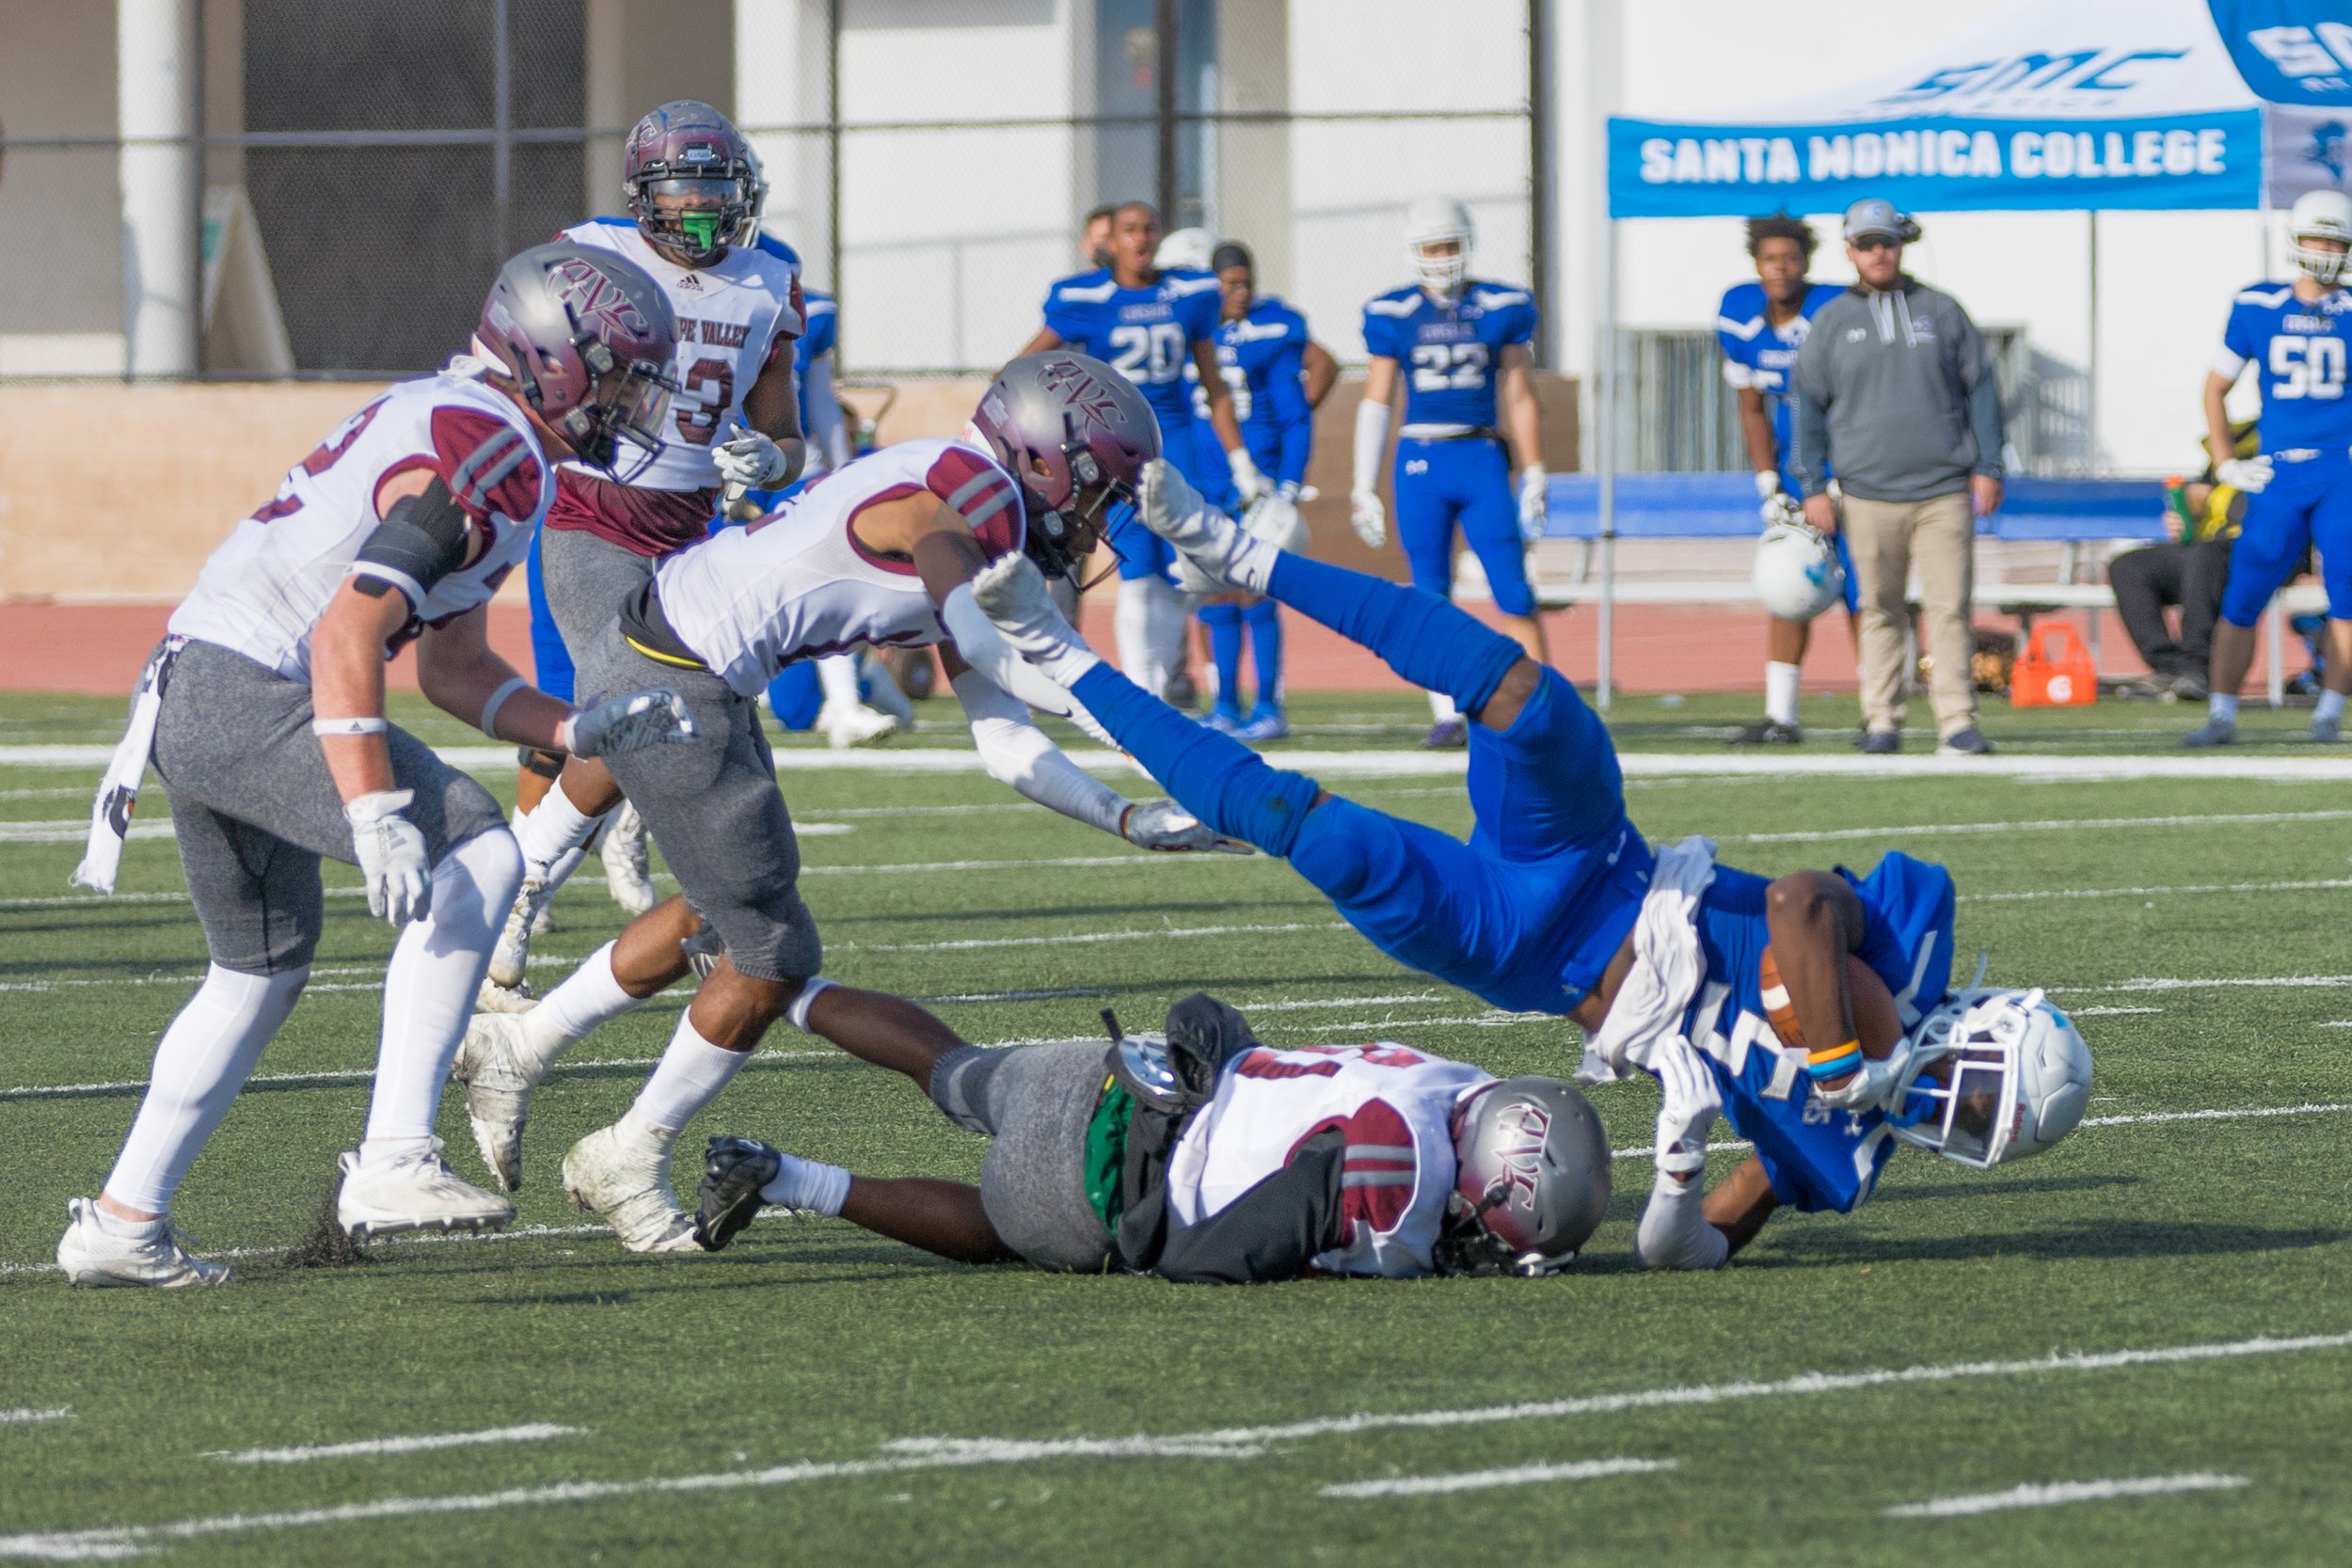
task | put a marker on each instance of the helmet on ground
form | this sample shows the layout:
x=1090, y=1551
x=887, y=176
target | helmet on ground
x=693, y=182
x=1436, y=223
x=585, y=339
x=2320, y=215
x=1989, y=1076
x=1074, y=434
x=1530, y=1178
x=1189, y=248
x=1798, y=573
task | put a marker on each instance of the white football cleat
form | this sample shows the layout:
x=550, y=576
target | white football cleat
x=1012, y=591
x=627, y=865
x=513, y=951
x=498, y=1078
x=495, y=998
x=1206, y=537
x=624, y=1174
x=91, y=1255
x=882, y=691
x=849, y=724
x=418, y=1193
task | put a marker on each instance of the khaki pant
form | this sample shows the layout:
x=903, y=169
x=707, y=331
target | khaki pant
x=1886, y=538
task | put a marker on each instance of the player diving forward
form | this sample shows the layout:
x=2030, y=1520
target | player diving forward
x=1148, y=324
x=1201, y=1155
x=694, y=193
x=876, y=552
x=1557, y=905
x=263, y=714
x=1463, y=347
x=2297, y=336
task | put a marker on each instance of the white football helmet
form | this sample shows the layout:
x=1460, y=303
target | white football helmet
x=1189, y=248
x=1434, y=220
x=1798, y=573
x=2320, y=215
x=2012, y=1076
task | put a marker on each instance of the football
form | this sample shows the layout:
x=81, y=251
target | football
x=1876, y=1022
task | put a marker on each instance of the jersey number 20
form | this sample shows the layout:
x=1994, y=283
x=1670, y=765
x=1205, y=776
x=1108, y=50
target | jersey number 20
x=2306, y=367
x=1148, y=356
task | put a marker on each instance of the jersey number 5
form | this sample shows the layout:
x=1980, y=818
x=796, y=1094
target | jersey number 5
x=1148, y=356
x=2306, y=367
x=1437, y=366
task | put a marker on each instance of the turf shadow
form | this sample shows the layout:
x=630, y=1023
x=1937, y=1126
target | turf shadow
x=1827, y=1246
x=1986, y=1189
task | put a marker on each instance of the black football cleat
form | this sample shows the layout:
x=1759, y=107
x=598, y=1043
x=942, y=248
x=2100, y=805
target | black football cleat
x=734, y=1171
x=1767, y=731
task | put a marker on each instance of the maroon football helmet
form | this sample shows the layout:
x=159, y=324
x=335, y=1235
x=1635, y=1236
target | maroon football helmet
x=1075, y=434
x=694, y=183
x=1530, y=1182
x=585, y=338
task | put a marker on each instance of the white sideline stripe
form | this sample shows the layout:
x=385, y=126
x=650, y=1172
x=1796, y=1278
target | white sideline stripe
x=2110, y=1012
x=923, y=1454
x=536, y=1432
x=27, y=1418
x=1473, y=1481
x=2054, y=1493
x=75, y=832
x=2054, y=824
x=2160, y=982
x=2034, y=893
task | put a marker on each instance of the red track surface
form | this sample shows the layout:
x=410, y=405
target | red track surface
x=98, y=649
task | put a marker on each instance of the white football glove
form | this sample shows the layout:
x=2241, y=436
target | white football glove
x=751, y=460
x=392, y=861
x=1691, y=1105
x=1166, y=825
x=1370, y=517
x=626, y=723
x=1868, y=1086
x=1767, y=484
x=1781, y=510
x=1249, y=484
x=2249, y=474
x=1533, y=502
x=1276, y=520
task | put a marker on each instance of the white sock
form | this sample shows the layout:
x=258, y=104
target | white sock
x=2330, y=707
x=2222, y=705
x=590, y=995
x=429, y=991
x=201, y=1061
x=1132, y=623
x=1780, y=692
x=1442, y=706
x=554, y=826
x=1170, y=613
x=810, y=1186
x=836, y=673
x=691, y=1074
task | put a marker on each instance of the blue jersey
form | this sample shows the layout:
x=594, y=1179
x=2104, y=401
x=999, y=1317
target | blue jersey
x=2298, y=350
x=1816, y=1157
x=824, y=318
x=1147, y=334
x=1450, y=353
x=1757, y=355
x=1263, y=356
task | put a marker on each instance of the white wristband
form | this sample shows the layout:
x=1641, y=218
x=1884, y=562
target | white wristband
x=497, y=700
x=349, y=726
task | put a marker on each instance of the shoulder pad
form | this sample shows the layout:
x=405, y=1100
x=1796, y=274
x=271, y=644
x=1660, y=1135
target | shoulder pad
x=1494, y=297
x=1078, y=292
x=1183, y=284
x=768, y=244
x=1399, y=303
x=2268, y=296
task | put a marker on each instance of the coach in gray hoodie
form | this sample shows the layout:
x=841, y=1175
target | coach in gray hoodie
x=1894, y=392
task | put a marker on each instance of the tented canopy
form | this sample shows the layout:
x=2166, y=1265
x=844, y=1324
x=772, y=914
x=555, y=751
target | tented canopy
x=2080, y=105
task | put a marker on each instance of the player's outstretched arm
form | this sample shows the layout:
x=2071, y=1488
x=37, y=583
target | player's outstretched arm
x=461, y=675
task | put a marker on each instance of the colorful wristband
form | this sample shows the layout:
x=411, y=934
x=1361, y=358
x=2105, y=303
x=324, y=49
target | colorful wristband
x=1835, y=1061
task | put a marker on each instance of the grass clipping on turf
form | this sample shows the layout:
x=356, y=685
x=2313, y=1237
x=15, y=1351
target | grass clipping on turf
x=326, y=1245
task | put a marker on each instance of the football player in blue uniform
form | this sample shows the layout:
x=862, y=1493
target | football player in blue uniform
x=1711, y=978
x=1760, y=327
x=1150, y=323
x=1278, y=375
x=1464, y=346
x=2300, y=488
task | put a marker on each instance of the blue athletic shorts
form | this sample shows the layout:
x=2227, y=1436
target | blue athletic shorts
x=2307, y=505
x=551, y=662
x=1440, y=483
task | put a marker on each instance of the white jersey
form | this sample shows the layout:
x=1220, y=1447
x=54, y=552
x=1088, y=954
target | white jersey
x=733, y=317
x=263, y=590
x=1393, y=1105
x=798, y=584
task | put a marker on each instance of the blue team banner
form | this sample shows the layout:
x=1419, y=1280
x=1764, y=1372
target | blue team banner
x=1664, y=170
x=2289, y=51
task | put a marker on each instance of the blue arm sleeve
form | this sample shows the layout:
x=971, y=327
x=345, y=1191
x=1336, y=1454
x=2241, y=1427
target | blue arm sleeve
x=1286, y=388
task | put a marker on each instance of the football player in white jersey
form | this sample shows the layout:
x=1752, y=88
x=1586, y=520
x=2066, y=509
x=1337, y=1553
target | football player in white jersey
x=1200, y=1155
x=694, y=192
x=262, y=711
x=878, y=551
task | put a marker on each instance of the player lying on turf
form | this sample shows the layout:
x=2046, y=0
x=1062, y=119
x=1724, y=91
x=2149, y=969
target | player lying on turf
x=879, y=552
x=263, y=714
x=1713, y=979
x=1200, y=1155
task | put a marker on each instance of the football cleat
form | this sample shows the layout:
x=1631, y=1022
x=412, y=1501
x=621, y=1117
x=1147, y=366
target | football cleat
x=1023, y=611
x=495, y=998
x=627, y=865
x=624, y=1176
x=852, y=725
x=2327, y=731
x=2214, y=731
x=1767, y=731
x=417, y=1192
x=1268, y=725
x=498, y=1080
x=1446, y=735
x=734, y=1172
x=512, y=950
x=91, y=1255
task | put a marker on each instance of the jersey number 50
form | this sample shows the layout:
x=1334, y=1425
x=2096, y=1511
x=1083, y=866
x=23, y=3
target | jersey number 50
x=1437, y=366
x=2306, y=367
x=1148, y=356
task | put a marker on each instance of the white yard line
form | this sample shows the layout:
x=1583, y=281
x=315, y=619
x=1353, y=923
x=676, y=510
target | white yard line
x=28, y=1418
x=2054, y=1493
x=1476, y=1480
x=2036, y=895
x=2044, y=825
x=2164, y=982
x=537, y=1432
x=933, y=1453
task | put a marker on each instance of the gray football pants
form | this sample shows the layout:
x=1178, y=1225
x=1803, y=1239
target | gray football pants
x=1035, y=1100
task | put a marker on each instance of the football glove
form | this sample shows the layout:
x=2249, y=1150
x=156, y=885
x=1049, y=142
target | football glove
x=1166, y=825
x=1690, y=1105
x=392, y=862
x=2249, y=474
x=1249, y=484
x=624, y=723
x=1370, y=517
x=1274, y=520
x=1767, y=484
x=751, y=461
x=1533, y=502
x=1867, y=1088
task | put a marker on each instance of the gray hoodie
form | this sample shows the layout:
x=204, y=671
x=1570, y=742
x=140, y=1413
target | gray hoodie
x=1896, y=395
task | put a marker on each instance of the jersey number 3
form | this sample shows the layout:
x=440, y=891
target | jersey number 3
x=712, y=382
x=1439, y=367
x=2306, y=367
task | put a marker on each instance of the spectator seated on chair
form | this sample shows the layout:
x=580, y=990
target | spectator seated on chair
x=2186, y=574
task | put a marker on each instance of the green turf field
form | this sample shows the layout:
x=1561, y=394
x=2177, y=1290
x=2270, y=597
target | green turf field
x=2167, y=1296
